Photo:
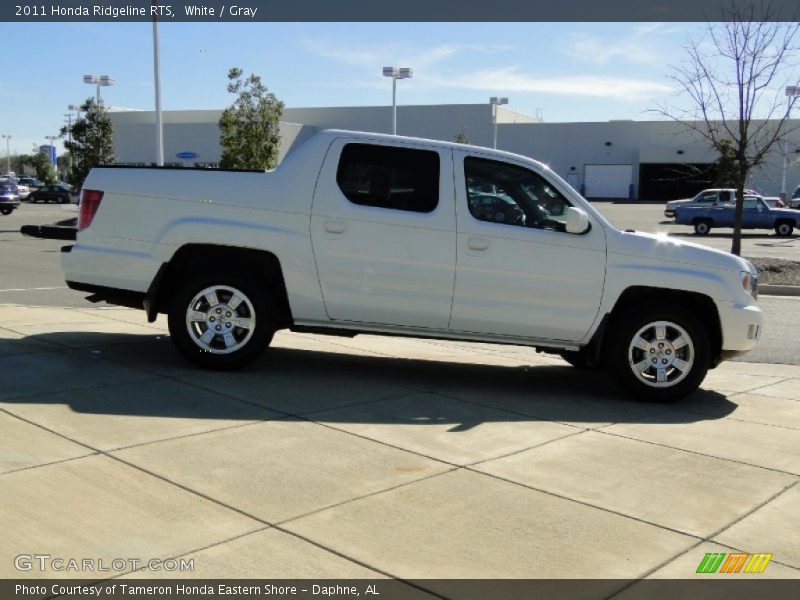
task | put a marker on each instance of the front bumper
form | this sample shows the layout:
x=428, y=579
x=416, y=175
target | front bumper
x=5, y=203
x=741, y=326
x=670, y=212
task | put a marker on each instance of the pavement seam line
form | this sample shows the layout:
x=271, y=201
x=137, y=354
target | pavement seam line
x=738, y=462
x=244, y=513
x=47, y=464
x=582, y=503
x=739, y=420
x=708, y=538
x=766, y=385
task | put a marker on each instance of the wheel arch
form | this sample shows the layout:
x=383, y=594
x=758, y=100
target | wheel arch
x=187, y=260
x=701, y=304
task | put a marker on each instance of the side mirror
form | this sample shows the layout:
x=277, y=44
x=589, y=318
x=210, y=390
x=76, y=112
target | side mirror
x=577, y=220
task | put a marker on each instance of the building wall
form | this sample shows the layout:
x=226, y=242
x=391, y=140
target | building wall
x=566, y=147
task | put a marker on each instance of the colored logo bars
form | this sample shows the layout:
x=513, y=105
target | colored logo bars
x=736, y=562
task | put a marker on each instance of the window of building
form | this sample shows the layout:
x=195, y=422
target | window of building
x=389, y=177
x=504, y=193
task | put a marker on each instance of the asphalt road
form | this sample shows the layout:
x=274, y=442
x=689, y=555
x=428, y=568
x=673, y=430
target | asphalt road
x=30, y=272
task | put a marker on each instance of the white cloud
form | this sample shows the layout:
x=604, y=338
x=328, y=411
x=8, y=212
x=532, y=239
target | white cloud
x=636, y=47
x=419, y=58
x=510, y=79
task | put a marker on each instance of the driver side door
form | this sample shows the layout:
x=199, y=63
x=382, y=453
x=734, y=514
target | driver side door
x=518, y=273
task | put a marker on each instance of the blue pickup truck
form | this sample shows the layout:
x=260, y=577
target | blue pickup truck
x=757, y=215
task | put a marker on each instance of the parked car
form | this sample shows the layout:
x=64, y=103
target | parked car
x=756, y=215
x=31, y=182
x=711, y=197
x=23, y=190
x=795, y=201
x=50, y=193
x=370, y=233
x=496, y=207
x=9, y=196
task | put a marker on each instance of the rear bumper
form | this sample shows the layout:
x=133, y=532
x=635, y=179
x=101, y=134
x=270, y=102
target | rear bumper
x=741, y=327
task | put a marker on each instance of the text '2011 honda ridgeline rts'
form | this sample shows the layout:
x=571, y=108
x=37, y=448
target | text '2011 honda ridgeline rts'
x=369, y=233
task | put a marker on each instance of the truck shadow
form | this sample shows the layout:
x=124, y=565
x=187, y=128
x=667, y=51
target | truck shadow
x=143, y=376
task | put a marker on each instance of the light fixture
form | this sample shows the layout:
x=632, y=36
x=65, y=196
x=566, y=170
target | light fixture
x=396, y=73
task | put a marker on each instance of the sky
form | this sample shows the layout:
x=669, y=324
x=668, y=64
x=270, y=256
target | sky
x=569, y=71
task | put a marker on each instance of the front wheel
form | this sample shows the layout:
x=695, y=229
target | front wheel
x=221, y=322
x=702, y=227
x=659, y=353
x=784, y=229
x=6, y=211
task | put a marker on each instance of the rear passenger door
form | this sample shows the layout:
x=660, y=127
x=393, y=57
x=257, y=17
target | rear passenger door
x=383, y=232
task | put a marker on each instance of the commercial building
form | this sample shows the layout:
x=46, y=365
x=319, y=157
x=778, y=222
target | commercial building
x=648, y=160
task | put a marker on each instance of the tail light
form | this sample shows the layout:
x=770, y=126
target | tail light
x=90, y=202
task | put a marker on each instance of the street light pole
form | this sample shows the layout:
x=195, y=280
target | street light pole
x=98, y=80
x=395, y=74
x=8, y=152
x=792, y=92
x=494, y=102
x=69, y=139
x=157, y=81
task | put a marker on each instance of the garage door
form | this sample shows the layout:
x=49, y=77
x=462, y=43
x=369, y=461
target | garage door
x=608, y=181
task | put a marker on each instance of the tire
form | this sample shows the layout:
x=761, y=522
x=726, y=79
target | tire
x=250, y=324
x=6, y=211
x=634, y=349
x=784, y=229
x=578, y=359
x=702, y=226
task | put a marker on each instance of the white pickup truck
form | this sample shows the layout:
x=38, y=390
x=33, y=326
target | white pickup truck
x=368, y=233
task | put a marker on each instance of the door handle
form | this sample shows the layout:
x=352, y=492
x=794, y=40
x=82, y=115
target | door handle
x=335, y=226
x=478, y=243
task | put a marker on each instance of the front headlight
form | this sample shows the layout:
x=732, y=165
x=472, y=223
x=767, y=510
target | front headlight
x=749, y=283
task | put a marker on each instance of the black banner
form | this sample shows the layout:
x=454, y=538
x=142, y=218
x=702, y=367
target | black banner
x=377, y=10
x=715, y=586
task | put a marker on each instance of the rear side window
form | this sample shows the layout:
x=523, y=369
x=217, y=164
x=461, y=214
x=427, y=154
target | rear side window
x=389, y=177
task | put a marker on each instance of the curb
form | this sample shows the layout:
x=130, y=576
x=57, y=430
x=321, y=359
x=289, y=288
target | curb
x=779, y=290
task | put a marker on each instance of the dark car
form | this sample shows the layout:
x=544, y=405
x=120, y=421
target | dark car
x=9, y=196
x=50, y=193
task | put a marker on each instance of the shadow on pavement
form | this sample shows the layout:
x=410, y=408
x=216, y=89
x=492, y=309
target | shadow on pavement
x=149, y=378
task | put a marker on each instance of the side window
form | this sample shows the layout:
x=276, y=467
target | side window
x=724, y=197
x=503, y=193
x=389, y=177
x=750, y=204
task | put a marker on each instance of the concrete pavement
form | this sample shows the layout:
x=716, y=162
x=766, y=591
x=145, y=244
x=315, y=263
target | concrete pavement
x=374, y=457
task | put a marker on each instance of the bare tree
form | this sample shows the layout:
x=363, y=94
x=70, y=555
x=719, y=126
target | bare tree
x=734, y=79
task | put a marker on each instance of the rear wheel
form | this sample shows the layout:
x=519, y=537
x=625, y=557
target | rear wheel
x=658, y=353
x=702, y=226
x=221, y=322
x=784, y=228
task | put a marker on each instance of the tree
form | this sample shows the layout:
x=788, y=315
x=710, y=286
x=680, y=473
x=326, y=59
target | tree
x=92, y=141
x=734, y=81
x=249, y=128
x=461, y=137
x=44, y=168
x=727, y=167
